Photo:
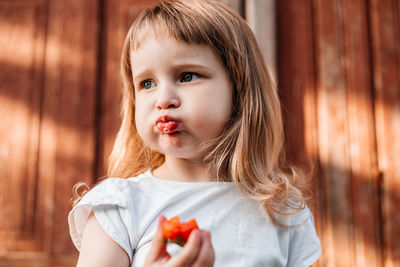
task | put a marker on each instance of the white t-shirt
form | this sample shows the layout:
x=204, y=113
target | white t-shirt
x=242, y=233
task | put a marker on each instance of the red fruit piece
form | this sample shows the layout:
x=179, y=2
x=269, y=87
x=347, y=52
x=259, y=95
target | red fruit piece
x=176, y=232
x=187, y=228
x=171, y=228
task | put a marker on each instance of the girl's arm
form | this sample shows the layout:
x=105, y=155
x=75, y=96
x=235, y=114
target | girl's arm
x=99, y=249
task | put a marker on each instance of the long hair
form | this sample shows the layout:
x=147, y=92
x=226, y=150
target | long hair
x=249, y=152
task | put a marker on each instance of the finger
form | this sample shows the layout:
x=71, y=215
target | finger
x=158, y=244
x=189, y=252
x=206, y=255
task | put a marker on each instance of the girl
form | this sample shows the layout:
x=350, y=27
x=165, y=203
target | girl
x=201, y=137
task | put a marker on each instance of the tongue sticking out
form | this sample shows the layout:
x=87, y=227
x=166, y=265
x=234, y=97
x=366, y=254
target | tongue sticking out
x=167, y=127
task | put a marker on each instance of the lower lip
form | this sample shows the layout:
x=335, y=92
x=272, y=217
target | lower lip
x=168, y=127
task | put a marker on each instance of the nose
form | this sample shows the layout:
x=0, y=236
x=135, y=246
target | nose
x=167, y=97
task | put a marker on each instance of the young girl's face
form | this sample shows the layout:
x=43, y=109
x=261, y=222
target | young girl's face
x=183, y=94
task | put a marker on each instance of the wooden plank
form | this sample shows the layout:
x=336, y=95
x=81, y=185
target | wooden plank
x=296, y=79
x=48, y=127
x=22, y=35
x=332, y=134
x=67, y=133
x=385, y=35
x=37, y=260
x=361, y=135
x=261, y=18
x=48, y=148
x=75, y=157
x=296, y=85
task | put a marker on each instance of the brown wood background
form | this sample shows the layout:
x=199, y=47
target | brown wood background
x=337, y=64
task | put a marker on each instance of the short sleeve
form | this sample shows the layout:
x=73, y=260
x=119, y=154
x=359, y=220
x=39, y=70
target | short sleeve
x=304, y=245
x=109, y=204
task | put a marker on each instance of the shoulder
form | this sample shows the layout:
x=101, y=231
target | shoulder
x=112, y=191
x=109, y=191
x=109, y=201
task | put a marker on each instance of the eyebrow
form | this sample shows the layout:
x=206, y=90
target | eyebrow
x=191, y=66
x=177, y=67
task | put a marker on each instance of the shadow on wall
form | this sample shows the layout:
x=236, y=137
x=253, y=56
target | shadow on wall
x=48, y=77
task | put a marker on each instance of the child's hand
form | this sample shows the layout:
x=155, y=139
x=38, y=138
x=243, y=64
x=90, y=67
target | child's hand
x=197, y=252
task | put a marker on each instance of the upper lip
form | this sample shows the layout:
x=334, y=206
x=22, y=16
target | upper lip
x=166, y=118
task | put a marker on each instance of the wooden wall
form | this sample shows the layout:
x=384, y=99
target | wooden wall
x=337, y=64
x=339, y=78
x=48, y=79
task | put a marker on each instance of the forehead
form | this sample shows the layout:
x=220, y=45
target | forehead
x=160, y=29
x=146, y=31
x=149, y=37
x=162, y=49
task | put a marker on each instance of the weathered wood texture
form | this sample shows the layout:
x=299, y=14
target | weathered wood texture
x=22, y=38
x=47, y=92
x=338, y=73
x=385, y=47
x=296, y=77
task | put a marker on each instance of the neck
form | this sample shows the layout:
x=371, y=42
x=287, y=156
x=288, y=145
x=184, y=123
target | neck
x=183, y=170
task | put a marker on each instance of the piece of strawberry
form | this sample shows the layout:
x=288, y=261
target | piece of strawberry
x=187, y=228
x=176, y=232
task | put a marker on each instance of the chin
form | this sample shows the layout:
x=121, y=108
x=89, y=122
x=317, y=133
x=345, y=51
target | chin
x=173, y=147
x=178, y=154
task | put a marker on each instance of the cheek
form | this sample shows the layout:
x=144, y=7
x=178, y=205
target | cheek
x=139, y=125
x=138, y=116
x=219, y=106
x=213, y=115
x=140, y=120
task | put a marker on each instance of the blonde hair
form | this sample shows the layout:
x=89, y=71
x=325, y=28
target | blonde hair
x=249, y=152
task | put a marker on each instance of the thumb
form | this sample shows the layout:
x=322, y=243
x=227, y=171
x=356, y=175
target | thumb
x=159, y=244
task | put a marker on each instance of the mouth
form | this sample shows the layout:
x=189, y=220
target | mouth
x=167, y=125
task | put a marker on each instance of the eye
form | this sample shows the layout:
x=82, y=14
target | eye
x=147, y=84
x=188, y=77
